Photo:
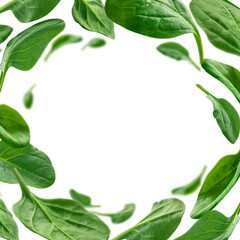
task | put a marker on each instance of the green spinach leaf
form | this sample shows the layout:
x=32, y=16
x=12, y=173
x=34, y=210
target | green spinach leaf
x=95, y=43
x=227, y=117
x=29, y=10
x=190, y=187
x=57, y=219
x=217, y=184
x=13, y=129
x=24, y=50
x=91, y=15
x=5, y=32
x=160, y=224
x=29, y=97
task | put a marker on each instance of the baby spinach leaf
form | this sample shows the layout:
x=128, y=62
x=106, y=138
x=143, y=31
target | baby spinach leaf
x=5, y=32
x=213, y=225
x=62, y=41
x=191, y=187
x=34, y=165
x=220, y=19
x=177, y=52
x=8, y=227
x=226, y=74
x=95, y=43
x=91, y=15
x=13, y=129
x=120, y=216
x=29, y=10
x=227, y=117
x=28, y=97
x=24, y=50
x=217, y=184
x=160, y=224
x=57, y=219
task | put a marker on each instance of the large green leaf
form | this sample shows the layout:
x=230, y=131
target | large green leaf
x=220, y=19
x=29, y=10
x=160, y=224
x=5, y=31
x=212, y=226
x=34, y=166
x=24, y=50
x=91, y=15
x=58, y=219
x=217, y=184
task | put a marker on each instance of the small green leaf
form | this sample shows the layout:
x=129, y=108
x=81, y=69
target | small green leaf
x=24, y=50
x=13, y=129
x=34, y=166
x=29, y=10
x=62, y=41
x=191, y=187
x=217, y=184
x=177, y=52
x=5, y=32
x=226, y=74
x=213, y=225
x=29, y=97
x=227, y=117
x=91, y=15
x=120, y=216
x=160, y=224
x=57, y=219
x=8, y=227
x=95, y=43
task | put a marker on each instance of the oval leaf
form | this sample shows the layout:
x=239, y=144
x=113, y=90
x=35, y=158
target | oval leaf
x=160, y=224
x=217, y=184
x=95, y=43
x=29, y=97
x=34, y=166
x=13, y=129
x=91, y=15
x=57, y=219
x=29, y=10
x=24, y=50
x=5, y=32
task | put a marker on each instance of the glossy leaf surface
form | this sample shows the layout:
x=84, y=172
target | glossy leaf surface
x=29, y=97
x=5, y=32
x=95, y=43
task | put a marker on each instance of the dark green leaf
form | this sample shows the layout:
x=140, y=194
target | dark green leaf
x=58, y=219
x=217, y=184
x=191, y=187
x=5, y=32
x=8, y=227
x=91, y=15
x=220, y=20
x=227, y=117
x=160, y=224
x=29, y=10
x=122, y=215
x=13, y=129
x=226, y=74
x=62, y=41
x=34, y=166
x=177, y=52
x=95, y=43
x=213, y=225
x=29, y=97
x=24, y=50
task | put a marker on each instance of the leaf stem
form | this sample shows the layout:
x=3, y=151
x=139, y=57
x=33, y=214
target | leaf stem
x=5, y=7
x=32, y=87
x=102, y=214
x=204, y=90
x=84, y=47
x=200, y=46
x=2, y=77
x=47, y=56
x=195, y=65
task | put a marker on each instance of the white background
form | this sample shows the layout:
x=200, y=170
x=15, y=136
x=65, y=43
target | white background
x=122, y=123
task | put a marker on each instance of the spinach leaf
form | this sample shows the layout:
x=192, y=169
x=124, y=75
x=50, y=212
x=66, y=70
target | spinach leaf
x=227, y=117
x=160, y=224
x=5, y=32
x=62, y=41
x=57, y=219
x=191, y=187
x=13, y=129
x=34, y=165
x=213, y=225
x=95, y=43
x=24, y=50
x=217, y=184
x=220, y=19
x=226, y=74
x=29, y=10
x=120, y=216
x=9, y=229
x=29, y=97
x=177, y=52
x=91, y=15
